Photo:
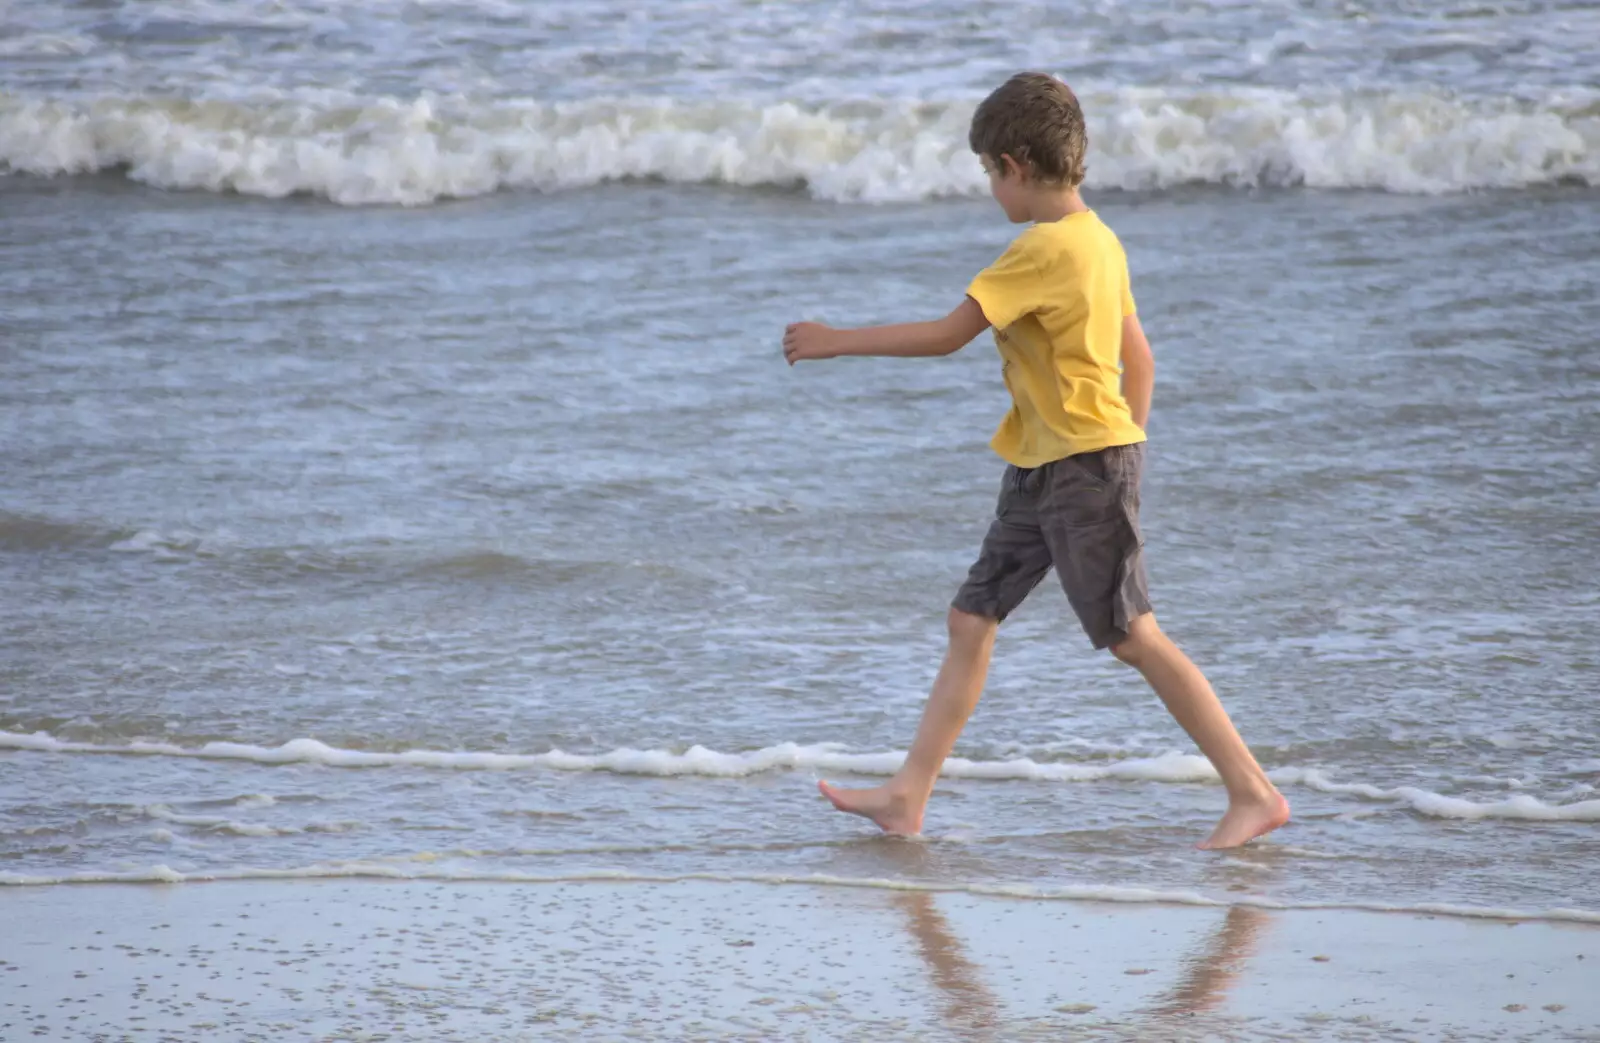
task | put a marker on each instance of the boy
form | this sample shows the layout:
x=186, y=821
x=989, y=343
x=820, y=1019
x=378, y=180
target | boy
x=1080, y=373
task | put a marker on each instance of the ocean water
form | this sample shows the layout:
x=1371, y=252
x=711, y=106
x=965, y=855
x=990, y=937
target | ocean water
x=399, y=474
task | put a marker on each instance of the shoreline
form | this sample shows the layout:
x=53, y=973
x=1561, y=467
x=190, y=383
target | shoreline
x=358, y=871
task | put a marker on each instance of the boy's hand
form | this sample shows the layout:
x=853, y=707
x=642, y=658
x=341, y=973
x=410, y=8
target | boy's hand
x=813, y=340
x=809, y=340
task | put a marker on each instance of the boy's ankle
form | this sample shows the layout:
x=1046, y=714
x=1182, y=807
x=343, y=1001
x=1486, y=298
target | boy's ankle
x=1259, y=790
x=911, y=791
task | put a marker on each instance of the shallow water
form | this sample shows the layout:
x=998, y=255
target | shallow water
x=525, y=473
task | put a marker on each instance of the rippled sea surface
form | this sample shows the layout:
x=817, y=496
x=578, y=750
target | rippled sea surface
x=489, y=535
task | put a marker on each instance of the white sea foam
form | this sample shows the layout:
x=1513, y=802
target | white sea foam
x=163, y=874
x=218, y=824
x=788, y=756
x=362, y=150
x=46, y=45
x=165, y=546
x=1434, y=805
x=697, y=760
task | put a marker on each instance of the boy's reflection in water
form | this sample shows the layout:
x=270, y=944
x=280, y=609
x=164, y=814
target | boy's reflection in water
x=1207, y=975
x=1211, y=970
x=972, y=1010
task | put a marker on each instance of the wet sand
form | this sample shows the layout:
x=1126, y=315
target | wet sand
x=412, y=960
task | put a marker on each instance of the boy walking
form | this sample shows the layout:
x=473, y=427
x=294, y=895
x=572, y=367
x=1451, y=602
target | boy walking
x=1080, y=373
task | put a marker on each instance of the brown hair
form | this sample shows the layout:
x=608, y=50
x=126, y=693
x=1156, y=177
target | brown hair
x=1035, y=119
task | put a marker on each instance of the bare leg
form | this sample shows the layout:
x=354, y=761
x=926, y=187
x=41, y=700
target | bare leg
x=897, y=805
x=1255, y=807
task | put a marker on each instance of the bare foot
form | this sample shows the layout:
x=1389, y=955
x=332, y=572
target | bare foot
x=893, y=812
x=1246, y=820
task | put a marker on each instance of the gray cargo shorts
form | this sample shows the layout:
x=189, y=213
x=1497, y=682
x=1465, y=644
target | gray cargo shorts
x=1080, y=515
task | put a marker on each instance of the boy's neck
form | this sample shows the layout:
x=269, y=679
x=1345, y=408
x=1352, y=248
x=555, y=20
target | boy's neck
x=1052, y=204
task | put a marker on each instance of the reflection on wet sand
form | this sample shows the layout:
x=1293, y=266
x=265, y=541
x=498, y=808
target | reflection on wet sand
x=1211, y=970
x=972, y=1010
x=1207, y=974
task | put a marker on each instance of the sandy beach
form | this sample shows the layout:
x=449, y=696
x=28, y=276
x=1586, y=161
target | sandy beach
x=593, y=960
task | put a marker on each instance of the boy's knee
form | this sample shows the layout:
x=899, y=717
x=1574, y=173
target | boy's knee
x=969, y=629
x=1136, y=646
x=1130, y=650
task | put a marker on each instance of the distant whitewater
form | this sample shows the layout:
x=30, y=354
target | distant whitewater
x=382, y=150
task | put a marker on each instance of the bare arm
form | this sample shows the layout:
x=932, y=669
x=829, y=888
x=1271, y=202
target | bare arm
x=812, y=340
x=1138, y=370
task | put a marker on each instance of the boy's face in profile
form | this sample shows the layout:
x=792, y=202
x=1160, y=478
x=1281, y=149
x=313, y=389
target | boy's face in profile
x=1008, y=185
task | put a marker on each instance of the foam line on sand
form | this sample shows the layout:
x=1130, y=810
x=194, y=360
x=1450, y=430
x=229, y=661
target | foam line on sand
x=393, y=870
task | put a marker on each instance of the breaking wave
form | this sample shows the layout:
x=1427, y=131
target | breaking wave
x=383, y=150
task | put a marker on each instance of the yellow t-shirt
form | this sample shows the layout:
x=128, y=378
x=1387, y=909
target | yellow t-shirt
x=1056, y=299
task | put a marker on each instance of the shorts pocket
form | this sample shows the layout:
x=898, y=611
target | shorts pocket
x=1097, y=469
x=1079, y=498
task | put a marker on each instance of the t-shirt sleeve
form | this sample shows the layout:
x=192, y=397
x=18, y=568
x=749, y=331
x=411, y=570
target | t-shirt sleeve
x=1009, y=288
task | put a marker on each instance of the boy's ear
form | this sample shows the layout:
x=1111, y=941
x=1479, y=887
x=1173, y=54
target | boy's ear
x=1009, y=167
